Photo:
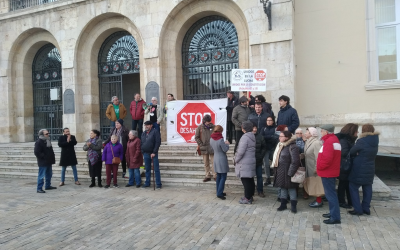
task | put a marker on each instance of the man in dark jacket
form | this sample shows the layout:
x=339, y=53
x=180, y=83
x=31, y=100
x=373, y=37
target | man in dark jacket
x=271, y=139
x=267, y=107
x=232, y=102
x=261, y=149
x=258, y=117
x=287, y=115
x=45, y=158
x=240, y=114
x=150, y=143
x=68, y=157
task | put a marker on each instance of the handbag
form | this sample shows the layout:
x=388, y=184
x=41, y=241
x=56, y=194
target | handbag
x=346, y=163
x=198, y=146
x=300, y=174
x=115, y=160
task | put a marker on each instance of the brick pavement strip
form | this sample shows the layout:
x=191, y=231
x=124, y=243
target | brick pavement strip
x=76, y=217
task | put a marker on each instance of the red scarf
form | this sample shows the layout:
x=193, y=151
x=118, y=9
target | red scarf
x=216, y=136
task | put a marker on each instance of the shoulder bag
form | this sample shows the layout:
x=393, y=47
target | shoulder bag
x=115, y=160
x=300, y=174
x=346, y=163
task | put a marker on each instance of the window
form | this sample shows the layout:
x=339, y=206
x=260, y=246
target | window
x=387, y=24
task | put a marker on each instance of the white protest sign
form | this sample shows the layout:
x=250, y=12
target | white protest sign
x=249, y=80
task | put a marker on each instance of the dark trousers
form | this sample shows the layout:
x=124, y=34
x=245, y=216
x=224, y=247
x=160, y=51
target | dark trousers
x=355, y=197
x=138, y=126
x=95, y=170
x=123, y=163
x=230, y=127
x=249, y=187
x=239, y=134
x=342, y=191
x=330, y=194
x=259, y=170
x=114, y=169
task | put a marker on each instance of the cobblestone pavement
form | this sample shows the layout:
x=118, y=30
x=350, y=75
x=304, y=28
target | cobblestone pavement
x=77, y=217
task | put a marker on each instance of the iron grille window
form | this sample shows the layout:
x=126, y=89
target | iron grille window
x=209, y=53
x=46, y=75
x=22, y=4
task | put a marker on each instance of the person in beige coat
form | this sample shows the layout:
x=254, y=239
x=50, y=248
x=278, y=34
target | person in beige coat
x=202, y=137
x=311, y=150
x=154, y=113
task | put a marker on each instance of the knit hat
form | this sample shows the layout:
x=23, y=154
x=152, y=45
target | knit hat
x=247, y=126
x=121, y=122
x=313, y=131
x=328, y=127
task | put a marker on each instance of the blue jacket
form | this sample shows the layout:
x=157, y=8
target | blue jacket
x=288, y=116
x=150, y=141
x=364, y=153
x=258, y=120
x=270, y=137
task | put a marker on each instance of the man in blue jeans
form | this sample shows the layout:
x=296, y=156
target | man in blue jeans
x=150, y=143
x=45, y=158
x=261, y=149
x=328, y=168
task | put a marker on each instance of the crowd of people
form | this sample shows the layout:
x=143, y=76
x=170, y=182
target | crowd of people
x=278, y=146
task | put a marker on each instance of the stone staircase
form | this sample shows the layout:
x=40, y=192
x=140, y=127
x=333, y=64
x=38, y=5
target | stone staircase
x=179, y=165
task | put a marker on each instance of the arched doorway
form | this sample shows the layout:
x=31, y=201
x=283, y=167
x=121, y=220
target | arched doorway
x=46, y=78
x=118, y=75
x=209, y=53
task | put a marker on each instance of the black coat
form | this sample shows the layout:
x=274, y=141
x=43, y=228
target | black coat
x=270, y=137
x=150, y=142
x=261, y=149
x=346, y=142
x=229, y=108
x=125, y=137
x=364, y=153
x=45, y=155
x=288, y=163
x=68, y=156
x=288, y=116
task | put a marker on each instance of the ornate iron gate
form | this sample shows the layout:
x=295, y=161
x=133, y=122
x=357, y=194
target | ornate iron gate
x=118, y=55
x=209, y=53
x=46, y=75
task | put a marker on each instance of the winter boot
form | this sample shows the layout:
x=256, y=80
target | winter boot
x=93, y=183
x=283, y=205
x=99, y=181
x=293, y=206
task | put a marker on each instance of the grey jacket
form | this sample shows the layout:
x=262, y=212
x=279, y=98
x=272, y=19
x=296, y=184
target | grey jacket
x=239, y=115
x=96, y=147
x=245, y=156
x=220, y=160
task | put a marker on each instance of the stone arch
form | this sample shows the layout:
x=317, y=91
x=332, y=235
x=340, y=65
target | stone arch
x=179, y=21
x=86, y=70
x=19, y=73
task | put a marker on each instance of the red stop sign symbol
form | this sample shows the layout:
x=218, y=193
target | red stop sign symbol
x=190, y=117
x=260, y=75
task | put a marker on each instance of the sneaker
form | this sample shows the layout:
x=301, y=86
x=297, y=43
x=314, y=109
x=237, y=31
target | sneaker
x=245, y=201
x=116, y=186
x=106, y=186
x=50, y=188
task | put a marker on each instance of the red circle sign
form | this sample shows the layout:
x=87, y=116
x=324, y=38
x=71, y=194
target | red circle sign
x=190, y=117
x=260, y=75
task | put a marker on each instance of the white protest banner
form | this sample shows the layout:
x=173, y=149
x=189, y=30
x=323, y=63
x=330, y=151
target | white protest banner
x=183, y=117
x=249, y=80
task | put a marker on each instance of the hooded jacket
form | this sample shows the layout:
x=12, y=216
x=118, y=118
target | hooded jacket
x=346, y=142
x=137, y=110
x=329, y=157
x=288, y=116
x=364, y=153
x=245, y=160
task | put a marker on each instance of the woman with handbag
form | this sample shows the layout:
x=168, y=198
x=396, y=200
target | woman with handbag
x=311, y=150
x=286, y=163
x=93, y=147
x=113, y=154
x=347, y=137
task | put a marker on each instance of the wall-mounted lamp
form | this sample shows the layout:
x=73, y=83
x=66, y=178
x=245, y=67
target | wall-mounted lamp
x=267, y=10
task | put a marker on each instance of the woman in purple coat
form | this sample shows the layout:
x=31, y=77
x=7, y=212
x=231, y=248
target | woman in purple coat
x=111, y=150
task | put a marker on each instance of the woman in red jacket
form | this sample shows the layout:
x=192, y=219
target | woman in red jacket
x=134, y=159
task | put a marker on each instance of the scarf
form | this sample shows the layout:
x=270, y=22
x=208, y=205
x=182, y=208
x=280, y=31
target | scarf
x=276, y=154
x=46, y=139
x=117, y=132
x=92, y=154
x=206, y=126
x=216, y=136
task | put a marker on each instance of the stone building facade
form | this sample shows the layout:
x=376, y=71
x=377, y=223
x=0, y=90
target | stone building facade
x=73, y=34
